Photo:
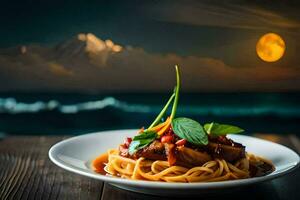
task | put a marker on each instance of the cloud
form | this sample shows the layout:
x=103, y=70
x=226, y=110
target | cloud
x=73, y=66
x=59, y=70
x=227, y=14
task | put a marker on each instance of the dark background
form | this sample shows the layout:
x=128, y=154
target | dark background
x=53, y=82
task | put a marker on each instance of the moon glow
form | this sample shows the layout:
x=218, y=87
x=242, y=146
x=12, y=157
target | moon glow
x=270, y=47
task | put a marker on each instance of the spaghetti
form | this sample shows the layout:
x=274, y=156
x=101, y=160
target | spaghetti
x=144, y=169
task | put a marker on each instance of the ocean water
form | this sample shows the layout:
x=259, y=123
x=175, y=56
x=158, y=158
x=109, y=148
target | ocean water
x=70, y=113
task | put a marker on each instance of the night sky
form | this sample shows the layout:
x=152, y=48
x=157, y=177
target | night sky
x=222, y=31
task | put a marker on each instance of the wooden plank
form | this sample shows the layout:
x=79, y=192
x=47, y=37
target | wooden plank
x=27, y=172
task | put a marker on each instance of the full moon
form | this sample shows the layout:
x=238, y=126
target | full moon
x=270, y=47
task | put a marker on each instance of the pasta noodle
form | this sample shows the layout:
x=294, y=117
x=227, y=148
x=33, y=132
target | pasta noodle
x=143, y=169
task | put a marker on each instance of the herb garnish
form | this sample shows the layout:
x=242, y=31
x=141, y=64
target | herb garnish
x=217, y=129
x=183, y=127
x=140, y=141
x=190, y=130
x=162, y=112
x=174, y=108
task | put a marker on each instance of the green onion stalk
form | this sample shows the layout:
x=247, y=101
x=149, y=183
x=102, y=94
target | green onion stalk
x=174, y=108
x=174, y=96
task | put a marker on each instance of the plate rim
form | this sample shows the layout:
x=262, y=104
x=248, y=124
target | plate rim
x=166, y=185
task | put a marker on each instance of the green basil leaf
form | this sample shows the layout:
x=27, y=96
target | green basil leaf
x=133, y=147
x=138, y=144
x=190, y=130
x=145, y=135
x=140, y=141
x=221, y=129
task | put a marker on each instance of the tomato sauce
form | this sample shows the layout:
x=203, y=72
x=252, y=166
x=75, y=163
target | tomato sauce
x=99, y=163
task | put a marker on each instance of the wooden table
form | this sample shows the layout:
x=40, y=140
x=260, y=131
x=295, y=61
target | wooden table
x=27, y=173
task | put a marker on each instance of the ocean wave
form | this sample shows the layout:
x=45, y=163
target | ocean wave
x=12, y=106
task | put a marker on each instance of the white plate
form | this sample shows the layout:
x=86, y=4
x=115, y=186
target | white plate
x=75, y=155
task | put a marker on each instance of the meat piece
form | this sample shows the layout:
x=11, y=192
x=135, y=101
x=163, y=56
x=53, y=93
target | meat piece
x=230, y=153
x=182, y=156
x=123, y=150
x=223, y=140
x=170, y=153
x=154, y=151
x=188, y=157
